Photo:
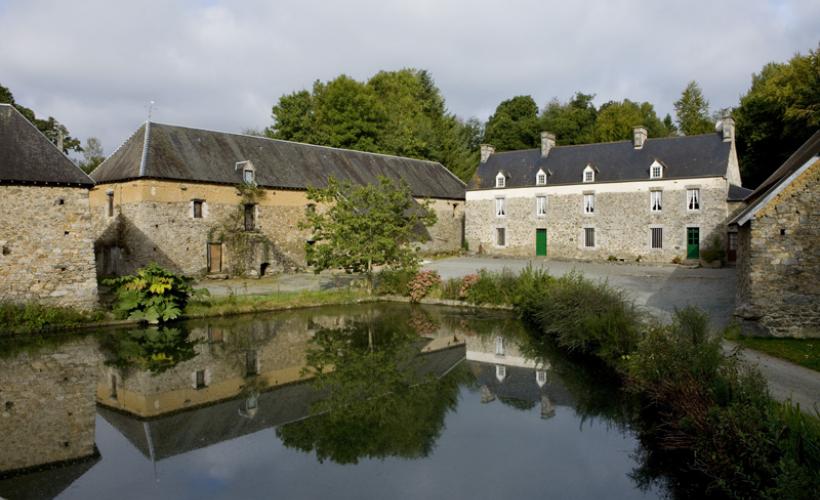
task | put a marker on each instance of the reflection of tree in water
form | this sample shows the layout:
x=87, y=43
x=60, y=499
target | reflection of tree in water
x=379, y=402
x=151, y=349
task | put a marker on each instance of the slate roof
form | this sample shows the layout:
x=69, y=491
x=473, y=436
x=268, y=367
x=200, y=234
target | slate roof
x=738, y=193
x=28, y=157
x=683, y=157
x=189, y=154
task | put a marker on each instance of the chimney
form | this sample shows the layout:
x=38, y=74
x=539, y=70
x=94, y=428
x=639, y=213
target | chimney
x=728, y=127
x=60, y=140
x=639, y=135
x=547, y=143
x=486, y=151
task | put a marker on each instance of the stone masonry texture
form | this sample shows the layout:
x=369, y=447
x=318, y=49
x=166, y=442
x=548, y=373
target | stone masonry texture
x=46, y=246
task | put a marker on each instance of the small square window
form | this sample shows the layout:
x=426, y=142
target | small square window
x=589, y=237
x=500, y=181
x=248, y=176
x=500, y=236
x=656, y=172
x=197, y=209
x=200, y=379
x=657, y=237
x=500, y=372
x=541, y=179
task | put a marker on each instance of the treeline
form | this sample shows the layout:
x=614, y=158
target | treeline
x=403, y=113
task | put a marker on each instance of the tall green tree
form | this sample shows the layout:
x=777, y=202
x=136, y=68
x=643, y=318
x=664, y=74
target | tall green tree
x=572, y=122
x=514, y=125
x=347, y=114
x=365, y=226
x=780, y=111
x=93, y=155
x=692, y=110
x=617, y=119
x=50, y=127
x=294, y=118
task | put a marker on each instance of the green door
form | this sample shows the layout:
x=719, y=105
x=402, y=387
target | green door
x=541, y=242
x=692, y=243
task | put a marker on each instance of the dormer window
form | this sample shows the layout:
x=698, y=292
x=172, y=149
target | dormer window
x=248, y=171
x=541, y=178
x=656, y=171
x=247, y=176
x=589, y=174
x=500, y=180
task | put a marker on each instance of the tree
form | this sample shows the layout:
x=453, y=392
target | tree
x=617, y=119
x=692, y=110
x=50, y=127
x=365, y=226
x=780, y=111
x=293, y=118
x=92, y=155
x=572, y=122
x=514, y=125
x=671, y=128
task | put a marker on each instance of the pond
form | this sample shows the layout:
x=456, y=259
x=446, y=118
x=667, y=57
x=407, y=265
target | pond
x=372, y=401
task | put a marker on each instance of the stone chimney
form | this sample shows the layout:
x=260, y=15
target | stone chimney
x=728, y=127
x=639, y=135
x=60, y=140
x=486, y=151
x=547, y=143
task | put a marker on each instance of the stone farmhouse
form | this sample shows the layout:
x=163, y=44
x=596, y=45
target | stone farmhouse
x=46, y=239
x=646, y=199
x=169, y=195
x=778, y=292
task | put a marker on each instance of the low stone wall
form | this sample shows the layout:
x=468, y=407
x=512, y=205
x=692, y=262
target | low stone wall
x=46, y=246
x=778, y=289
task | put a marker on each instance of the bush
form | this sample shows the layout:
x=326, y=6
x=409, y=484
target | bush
x=492, y=288
x=421, y=284
x=713, y=252
x=394, y=281
x=34, y=317
x=451, y=289
x=153, y=294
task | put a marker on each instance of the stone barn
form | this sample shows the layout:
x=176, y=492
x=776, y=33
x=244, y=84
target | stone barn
x=778, y=289
x=46, y=242
x=212, y=203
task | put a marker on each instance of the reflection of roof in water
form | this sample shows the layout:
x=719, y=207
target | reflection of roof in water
x=201, y=427
x=46, y=482
x=520, y=384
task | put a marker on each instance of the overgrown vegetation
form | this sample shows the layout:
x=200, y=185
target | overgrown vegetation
x=804, y=352
x=153, y=294
x=241, y=304
x=713, y=252
x=35, y=318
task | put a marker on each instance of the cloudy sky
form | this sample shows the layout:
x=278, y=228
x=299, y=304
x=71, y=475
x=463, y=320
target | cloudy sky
x=95, y=64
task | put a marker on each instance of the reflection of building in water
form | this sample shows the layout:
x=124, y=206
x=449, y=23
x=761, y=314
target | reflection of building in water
x=504, y=373
x=47, y=405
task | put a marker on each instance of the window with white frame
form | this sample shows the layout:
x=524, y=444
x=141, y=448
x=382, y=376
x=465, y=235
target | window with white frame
x=589, y=174
x=197, y=209
x=500, y=180
x=589, y=203
x=657, y=237
x=541, y=377
x=499, y=346
x=655, y=198
x=500, y=236
x=541, y=205
x=540, y=178
x=693, y=199
x=500, y=207
x=500, y=372
x=589, y=237
x=248, y=176
x=655, y=171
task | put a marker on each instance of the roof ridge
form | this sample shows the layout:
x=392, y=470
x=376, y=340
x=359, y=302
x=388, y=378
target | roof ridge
x=606, y=142
x=146, y=143
x=259, y=137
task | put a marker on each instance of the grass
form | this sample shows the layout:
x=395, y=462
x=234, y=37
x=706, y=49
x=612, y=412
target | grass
x=31, y=318
x=240, y=304
x=803, y=352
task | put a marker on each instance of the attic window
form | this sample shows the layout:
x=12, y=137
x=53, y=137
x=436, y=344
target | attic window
x=500, y=180
x=589, y=174
x=248, y=171
x=540, y=178
x=247, y=176
x=656, y=171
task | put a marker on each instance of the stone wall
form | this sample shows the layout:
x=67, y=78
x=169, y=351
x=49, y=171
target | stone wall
x=622, y=220
x=46, y=246
x=778, y=289
x=153, y=221
x=47, y=405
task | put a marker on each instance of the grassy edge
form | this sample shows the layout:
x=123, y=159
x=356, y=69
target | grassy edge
x=801, y=352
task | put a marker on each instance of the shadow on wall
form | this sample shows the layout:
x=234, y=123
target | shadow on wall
x=123, y=248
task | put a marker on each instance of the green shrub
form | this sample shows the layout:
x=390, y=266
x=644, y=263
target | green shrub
x=394, y=281
x=714, y=251
x=33, y=317
x=451, y=289
x=153, y=294
x=493, y=288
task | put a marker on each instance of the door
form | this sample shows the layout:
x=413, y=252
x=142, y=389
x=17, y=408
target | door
x=692, y=242
x=214, y=258
x=541, y=242
x=731, y=251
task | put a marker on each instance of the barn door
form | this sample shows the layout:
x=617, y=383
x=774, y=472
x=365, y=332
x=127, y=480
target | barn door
x=214, y=258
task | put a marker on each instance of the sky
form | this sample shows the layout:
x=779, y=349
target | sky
x=96, y=64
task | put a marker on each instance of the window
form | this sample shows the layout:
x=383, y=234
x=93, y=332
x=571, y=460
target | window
x=200, y=379
x=589, y=237
x=250, y=363
x=541, y=377
x=500, y=372
x=657, y=237
x=500, y=180
x=250, y=217
x=500, y=209
x=541, y=178
x=248, y=176
x=113, y=386
x=197, y=209
x=693, y=199
x=500, y=236
x=589, y=203
x=655, y=171
x=589, y=174
x=541, y=205
x=499, y=346
x=655, y=200
x=110, y=200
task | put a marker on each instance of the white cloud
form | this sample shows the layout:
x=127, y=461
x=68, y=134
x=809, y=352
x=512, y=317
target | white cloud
x=95, y=64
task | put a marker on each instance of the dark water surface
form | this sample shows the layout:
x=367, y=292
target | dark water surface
x=378, y=401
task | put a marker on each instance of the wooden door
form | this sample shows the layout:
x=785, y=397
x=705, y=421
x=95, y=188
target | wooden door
x=214, y=258
x=731, y=251
x=541, y=242
x=692, y=243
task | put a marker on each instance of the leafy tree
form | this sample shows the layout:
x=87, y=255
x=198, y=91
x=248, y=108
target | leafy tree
x=572, y=122
x=514, y=125
x=365, y=226
x=50, y=127
x=692, y=110
x=617, y=119
x=780, y=111
x=671, y=128
x=92, y=155
x=153, y=294
x=347, y=114
x=294, y=118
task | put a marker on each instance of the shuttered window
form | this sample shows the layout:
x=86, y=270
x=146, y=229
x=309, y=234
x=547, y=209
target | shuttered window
x=657, y=237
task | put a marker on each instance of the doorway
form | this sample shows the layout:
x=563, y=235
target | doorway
x=692, y=243
x=214, y=258
x=541, y=242
x=731, y=250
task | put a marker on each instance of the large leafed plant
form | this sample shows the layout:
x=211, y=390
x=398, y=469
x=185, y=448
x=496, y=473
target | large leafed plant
x=153, y=294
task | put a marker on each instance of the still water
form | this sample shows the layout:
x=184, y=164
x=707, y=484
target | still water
x=377, y=401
